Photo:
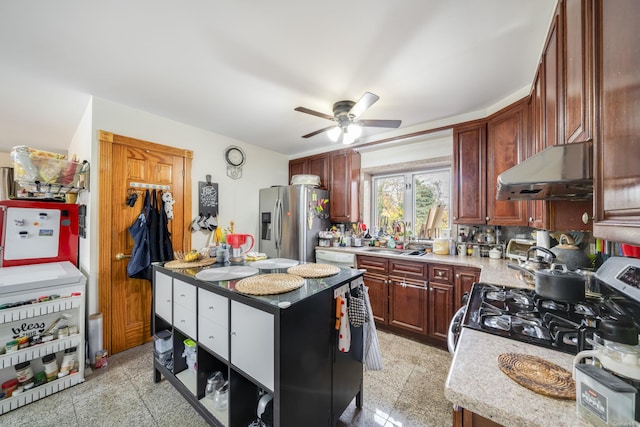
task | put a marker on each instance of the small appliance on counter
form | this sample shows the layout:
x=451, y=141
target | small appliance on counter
x=602, y=398
x=517, y=248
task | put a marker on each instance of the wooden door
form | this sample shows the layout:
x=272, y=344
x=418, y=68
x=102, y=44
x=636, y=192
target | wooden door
x=344, y=186
x=469, y=174
x=125, y=303
x=378, y=296
x=464, y=279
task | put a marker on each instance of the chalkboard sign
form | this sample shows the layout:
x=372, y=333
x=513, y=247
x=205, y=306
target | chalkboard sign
x=208, y=198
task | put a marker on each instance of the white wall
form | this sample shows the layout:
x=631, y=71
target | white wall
x=422, y=150
x=238, y=198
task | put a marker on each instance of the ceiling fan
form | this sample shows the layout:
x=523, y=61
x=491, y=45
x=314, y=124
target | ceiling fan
x=345, y=116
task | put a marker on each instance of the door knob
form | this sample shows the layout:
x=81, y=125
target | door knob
x=122, y=256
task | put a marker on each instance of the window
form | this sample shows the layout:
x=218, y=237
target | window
x=409, y=197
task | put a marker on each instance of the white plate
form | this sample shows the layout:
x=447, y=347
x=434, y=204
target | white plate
x=226, y=273
x=271, y=264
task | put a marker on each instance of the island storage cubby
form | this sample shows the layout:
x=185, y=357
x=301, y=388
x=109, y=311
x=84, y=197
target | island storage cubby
x=284, y=345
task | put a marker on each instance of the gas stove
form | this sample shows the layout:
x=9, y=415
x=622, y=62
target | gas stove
x=523, y=315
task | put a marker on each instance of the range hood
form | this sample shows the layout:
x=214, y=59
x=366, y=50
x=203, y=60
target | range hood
x=559, y=172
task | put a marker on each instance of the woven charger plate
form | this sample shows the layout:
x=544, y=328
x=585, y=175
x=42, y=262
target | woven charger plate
x=538, y=375
x=178, y=263
x=269, y=284
x=314, y=270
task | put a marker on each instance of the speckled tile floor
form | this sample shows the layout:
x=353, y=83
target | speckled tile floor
x=409, y=392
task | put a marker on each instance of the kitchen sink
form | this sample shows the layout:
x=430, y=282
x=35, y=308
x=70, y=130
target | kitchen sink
x=394, y=251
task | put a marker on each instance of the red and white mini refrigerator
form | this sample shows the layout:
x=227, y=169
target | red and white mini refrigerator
x=36, y=232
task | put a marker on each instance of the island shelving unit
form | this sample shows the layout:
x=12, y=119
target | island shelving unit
x=284, y=345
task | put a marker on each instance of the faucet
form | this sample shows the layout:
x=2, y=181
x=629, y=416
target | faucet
x=404, y=229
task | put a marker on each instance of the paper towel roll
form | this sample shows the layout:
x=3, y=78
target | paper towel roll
x=542, y=240
x=95, y=335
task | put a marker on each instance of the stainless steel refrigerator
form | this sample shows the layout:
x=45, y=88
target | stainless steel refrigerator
x=290, y=219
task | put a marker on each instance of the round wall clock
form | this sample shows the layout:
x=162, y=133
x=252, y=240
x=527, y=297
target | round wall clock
x=235, y=158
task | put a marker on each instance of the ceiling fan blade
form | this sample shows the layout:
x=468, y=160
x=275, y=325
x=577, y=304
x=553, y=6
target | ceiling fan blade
x=365, y=101
x=309, y=135
x=314, y=113
x=381, y=123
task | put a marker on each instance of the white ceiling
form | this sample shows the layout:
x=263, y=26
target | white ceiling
x=239, y=68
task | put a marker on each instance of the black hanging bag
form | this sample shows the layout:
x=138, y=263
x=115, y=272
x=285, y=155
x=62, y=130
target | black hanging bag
x=139, y=266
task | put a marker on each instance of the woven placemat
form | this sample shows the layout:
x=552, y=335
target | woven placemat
x=538, y=375
x=178, y=263
x=311, y=271
x=269, y=284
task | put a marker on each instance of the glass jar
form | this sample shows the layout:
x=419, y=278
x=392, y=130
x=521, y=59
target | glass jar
x=50, y=366
x=24, y=373
x=68, y=361
x=214, y=382
x=8, y=387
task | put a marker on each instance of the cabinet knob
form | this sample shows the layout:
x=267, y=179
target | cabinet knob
x=585, y=218
x=486, y=218
x=210, y=307
x=530, y=219
x=457, y=275
x=210, y=337
x=182, y=295
x=455, y=217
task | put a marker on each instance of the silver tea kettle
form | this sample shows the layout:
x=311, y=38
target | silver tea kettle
x=531, y=264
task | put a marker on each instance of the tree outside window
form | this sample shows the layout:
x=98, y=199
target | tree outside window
x=409, y=197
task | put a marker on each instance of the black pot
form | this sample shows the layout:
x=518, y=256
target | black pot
x=560, y=284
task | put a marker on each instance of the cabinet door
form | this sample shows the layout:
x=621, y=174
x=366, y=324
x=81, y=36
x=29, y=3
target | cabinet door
x=378, y=296
x=506, y=142
x=552, y=90
x=440, y=309
x=298, y=167
x=408, y=304
x=344, y=186
x=319, y=165
x=213, y=322
x=409, y=269
x=185, y=319
x=469, y=205
x=617, y=150
x=252, y=342
x=184, y=304
x=578, y=66
x=184, y=294
x=464, y=280
x=163, y=296
x=536, y=209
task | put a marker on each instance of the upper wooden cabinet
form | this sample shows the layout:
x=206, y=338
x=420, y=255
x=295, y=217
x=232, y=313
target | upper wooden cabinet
x=339, y=172
x=617, y=145
x=344, y=186
x=506, y=144
x=313, y=165
x=577, y=29
x=469, y=195
x=482, y=150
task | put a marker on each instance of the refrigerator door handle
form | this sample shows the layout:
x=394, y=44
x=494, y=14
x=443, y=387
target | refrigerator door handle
x=277, y=224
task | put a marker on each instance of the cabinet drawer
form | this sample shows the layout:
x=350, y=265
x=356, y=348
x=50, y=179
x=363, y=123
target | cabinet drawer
x=407, y=269
x=185, y=319
x=214, y=336
x=372, y=264
x=163, y=299
x=184, y=294
x=213, y=307
x=441, y=273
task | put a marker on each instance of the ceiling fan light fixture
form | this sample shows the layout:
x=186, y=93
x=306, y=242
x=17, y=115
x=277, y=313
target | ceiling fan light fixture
x=347, y=138
x=355, y=130
x=334, y=133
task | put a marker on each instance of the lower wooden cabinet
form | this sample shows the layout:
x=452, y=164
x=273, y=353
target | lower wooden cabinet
x=412, y=298
x=466, y=418
x=408, y=304
x=464, y=278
